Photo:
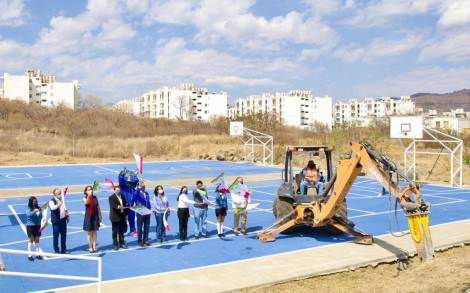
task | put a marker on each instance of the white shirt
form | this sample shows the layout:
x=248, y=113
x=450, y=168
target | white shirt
x=54, y=207
x=184, y=201
x=238, y=196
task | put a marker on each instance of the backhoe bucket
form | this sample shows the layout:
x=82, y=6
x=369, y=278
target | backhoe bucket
x=419, y=230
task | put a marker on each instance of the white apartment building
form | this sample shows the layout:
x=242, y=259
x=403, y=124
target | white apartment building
x=40, y=88
x=362, y=113
x=296, y=108
x=185, y=102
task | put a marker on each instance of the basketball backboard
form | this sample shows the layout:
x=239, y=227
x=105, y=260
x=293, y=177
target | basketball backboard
x=406, y=127
x=236, y=128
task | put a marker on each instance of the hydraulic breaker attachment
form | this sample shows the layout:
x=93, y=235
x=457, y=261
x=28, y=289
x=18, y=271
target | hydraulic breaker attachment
x=419, y=231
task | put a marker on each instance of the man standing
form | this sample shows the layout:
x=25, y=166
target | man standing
x=201, y=205
x=117, y=216
x=142, y=198
x=59, y=218
x=240, y=198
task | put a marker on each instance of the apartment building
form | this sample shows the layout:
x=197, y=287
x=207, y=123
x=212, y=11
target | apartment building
x=363, y=113
x=38, y=87
x=297, y=108
x=184, y=102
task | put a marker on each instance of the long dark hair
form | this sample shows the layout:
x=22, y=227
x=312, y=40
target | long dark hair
x=181, y=191
x=311, y=165
x=86, y=187
x=31, y=202
x=155, y=191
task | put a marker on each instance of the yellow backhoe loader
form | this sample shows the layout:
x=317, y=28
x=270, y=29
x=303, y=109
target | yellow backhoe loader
x=327, y=207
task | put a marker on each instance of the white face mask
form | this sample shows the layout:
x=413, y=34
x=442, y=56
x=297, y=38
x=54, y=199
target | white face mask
x=88, y=192
x=160, y=191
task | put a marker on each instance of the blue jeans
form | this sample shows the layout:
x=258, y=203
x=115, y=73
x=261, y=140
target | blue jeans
x=161, y=234
x=200, y=221
x=143, y=223
x=304, y=184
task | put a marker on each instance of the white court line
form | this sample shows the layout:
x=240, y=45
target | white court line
x=107, y=169
x=23, y=227
x=362, y=211
x=224, y=263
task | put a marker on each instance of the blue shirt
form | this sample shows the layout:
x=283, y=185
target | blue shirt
x=141, y=198
x=221, y=201
x=161, y=204
x=33, y=218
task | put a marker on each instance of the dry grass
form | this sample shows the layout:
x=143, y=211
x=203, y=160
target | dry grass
x=32, y=134
x=448, y=272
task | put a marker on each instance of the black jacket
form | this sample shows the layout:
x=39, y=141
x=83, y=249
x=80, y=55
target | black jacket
x=115, y=214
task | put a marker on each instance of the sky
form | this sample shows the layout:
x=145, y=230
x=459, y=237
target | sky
x=341, y=48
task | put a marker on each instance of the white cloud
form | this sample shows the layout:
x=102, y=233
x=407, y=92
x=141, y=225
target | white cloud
x=12, y=13
x=430, y=79
x=232, y=21
x=456, y=13
x=379, y=48
x=230, y=80
x=380, y=12
x=454, y=47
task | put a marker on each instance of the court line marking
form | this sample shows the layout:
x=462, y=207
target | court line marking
x=225, y=263
x=23, y=227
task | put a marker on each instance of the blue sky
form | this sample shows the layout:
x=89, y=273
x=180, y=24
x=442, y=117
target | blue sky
x=342, y=48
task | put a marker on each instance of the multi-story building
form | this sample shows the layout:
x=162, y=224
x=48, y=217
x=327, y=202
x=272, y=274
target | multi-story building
x=40, y=88
x=185, y=102
x=362, y=113
x=456, y=120
x=296, y=108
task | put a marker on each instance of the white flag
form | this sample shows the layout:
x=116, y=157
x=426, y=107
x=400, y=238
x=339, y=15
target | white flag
x=139, y=161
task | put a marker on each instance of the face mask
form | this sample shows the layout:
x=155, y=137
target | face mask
x=160, y=191
x=142, y=188
x=88, y=192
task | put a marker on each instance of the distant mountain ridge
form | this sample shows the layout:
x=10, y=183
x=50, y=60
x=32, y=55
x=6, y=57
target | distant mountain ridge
x=443, y=102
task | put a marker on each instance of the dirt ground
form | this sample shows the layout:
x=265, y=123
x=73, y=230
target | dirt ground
x=448, y=272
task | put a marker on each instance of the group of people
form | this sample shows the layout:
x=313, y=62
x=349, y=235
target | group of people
x=121, y=213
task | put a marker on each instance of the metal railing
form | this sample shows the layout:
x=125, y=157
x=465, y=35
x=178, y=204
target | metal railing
x=97, y=279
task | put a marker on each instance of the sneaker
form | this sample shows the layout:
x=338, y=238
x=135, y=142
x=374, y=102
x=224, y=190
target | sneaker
x=244, y=232
x=223, y=234
x=65, y=252
x=205, y=236
x=39, y=257
x=124, y=245
x=235, y=232
x=219, y=235
x=197, y=237
x=30, y=258
x=115, y=247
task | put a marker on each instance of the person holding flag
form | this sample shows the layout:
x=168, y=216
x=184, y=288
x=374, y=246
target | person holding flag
x=220, y=209
x=183, y=212
x=161, y=208
x=92, y=219
x=142, y=198
x=59, y=219
x=201, y=205
x=33, y=225
x=241, y=197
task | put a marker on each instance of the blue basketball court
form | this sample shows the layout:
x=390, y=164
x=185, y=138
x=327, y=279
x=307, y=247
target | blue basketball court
x=370, y=211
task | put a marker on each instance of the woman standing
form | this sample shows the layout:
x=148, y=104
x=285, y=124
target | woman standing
x=162, y=209
x=183, y=212
x=220, y=211
x=92, y=220
x=33, y=224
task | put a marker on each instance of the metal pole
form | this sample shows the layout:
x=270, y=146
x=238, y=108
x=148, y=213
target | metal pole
x=414, y=160
x=460, y=163
x=452, y=168
x=100, y=275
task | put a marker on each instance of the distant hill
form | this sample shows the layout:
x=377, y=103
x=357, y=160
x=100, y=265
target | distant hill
x=443, y=102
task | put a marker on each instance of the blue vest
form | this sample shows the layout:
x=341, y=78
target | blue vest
x=55, y=215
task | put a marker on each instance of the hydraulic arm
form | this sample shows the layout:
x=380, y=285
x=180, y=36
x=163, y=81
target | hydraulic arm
x=324, y=210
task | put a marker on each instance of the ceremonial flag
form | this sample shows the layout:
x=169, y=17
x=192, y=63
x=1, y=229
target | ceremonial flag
x=141, y=210
x=220, y=183
x=139, y=160
x=95, y=185
x=44, y=223
x=165, y=222
x=233, y=185
x=66, y=189
x=107, y=185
